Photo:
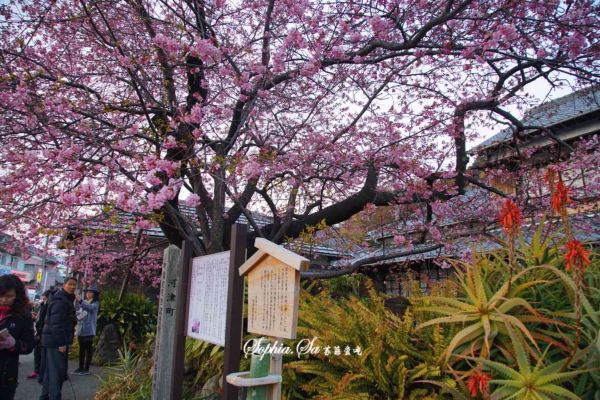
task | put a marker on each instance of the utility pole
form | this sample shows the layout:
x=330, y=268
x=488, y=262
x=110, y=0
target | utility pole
x=44, y=260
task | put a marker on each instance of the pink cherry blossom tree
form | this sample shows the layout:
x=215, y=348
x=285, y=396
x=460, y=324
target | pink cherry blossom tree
x=113, y=257
x=304, y=110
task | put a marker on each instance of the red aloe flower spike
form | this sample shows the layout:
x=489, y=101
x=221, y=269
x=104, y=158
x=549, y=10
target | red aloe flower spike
x=576, y=256
x=478, y=383
x=550, y=176
x=560, y=197
x=510, y=217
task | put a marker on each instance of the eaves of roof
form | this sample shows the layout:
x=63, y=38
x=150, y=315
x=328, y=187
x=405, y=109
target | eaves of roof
x=126, y=222
x=466, y=243
x=555, y=112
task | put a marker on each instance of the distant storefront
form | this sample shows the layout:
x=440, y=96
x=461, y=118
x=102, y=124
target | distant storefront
x=25, y=277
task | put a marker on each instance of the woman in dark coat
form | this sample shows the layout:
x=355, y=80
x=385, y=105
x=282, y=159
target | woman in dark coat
x=16, y=332
x=37, y=339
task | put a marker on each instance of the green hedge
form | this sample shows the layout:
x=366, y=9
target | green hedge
x=135, y=316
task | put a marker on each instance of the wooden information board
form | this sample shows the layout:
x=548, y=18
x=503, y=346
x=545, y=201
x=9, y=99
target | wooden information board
x=207, y=307
x=273, y=289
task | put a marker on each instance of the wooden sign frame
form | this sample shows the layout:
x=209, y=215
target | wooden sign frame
x=280, y=273
x=208, y=286
x=233, y=326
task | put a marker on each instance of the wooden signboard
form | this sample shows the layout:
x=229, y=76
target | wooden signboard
x=207, y=307
x=273, y=289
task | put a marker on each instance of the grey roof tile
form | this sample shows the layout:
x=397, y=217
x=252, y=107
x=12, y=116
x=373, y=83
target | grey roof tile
x=551, y=113
x=590, y=234
x=126, y=221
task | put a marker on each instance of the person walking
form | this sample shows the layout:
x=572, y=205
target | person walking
x=39, y=325
x=88, y=315
x=57, y=336
x=16, y=332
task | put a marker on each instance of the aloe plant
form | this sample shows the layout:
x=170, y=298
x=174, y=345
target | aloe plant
x=529, y=381
x=540, y=249
x=482, y=312
x=559, y=303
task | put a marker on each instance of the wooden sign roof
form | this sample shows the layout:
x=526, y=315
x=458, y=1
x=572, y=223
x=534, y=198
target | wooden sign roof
x=268, y=248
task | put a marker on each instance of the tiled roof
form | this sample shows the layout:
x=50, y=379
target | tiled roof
x=381, y=252
x=126, y=221
x=472, y=199
x=551, y=113
x=589, y=233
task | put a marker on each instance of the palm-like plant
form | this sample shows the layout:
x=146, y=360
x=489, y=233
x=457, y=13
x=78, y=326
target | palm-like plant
x=482, y=311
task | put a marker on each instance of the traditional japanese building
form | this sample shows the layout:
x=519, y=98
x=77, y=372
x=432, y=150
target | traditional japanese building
x=118, y=230
x=554, y=128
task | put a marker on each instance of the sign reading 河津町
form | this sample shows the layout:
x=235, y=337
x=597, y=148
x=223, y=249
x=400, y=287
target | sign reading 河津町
x=207, y=307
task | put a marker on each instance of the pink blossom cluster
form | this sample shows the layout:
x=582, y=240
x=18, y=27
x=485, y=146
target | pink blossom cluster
x=168, y=44
x=205, y=50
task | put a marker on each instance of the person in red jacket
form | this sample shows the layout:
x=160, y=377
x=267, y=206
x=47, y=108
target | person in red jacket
x=16, y=332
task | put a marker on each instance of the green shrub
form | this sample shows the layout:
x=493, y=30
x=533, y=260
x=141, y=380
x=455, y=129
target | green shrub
x=522, y=336
x=393, y=361
x=205, y=360
x=74, y=349
x=135, y=315
x=535, y=333
x=129, y=379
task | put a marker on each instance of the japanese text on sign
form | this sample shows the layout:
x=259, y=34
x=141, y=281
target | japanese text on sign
x=207, y=311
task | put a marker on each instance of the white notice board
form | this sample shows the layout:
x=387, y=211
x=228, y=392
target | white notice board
x=207, y=308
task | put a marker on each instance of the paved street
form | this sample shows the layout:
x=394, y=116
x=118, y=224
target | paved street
x=83, y=386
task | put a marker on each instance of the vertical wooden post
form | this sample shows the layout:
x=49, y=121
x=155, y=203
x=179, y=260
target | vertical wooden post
x=164, y=353
x=259, y=367
x=276, y=368
x=181, y=305
x=235, y=306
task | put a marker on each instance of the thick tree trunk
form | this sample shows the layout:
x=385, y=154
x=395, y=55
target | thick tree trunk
x=125, y=283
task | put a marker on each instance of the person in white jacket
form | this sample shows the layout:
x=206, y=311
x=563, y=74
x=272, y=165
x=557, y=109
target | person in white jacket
x=87, y=316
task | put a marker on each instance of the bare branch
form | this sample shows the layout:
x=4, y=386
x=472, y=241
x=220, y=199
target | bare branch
x=348, y=269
